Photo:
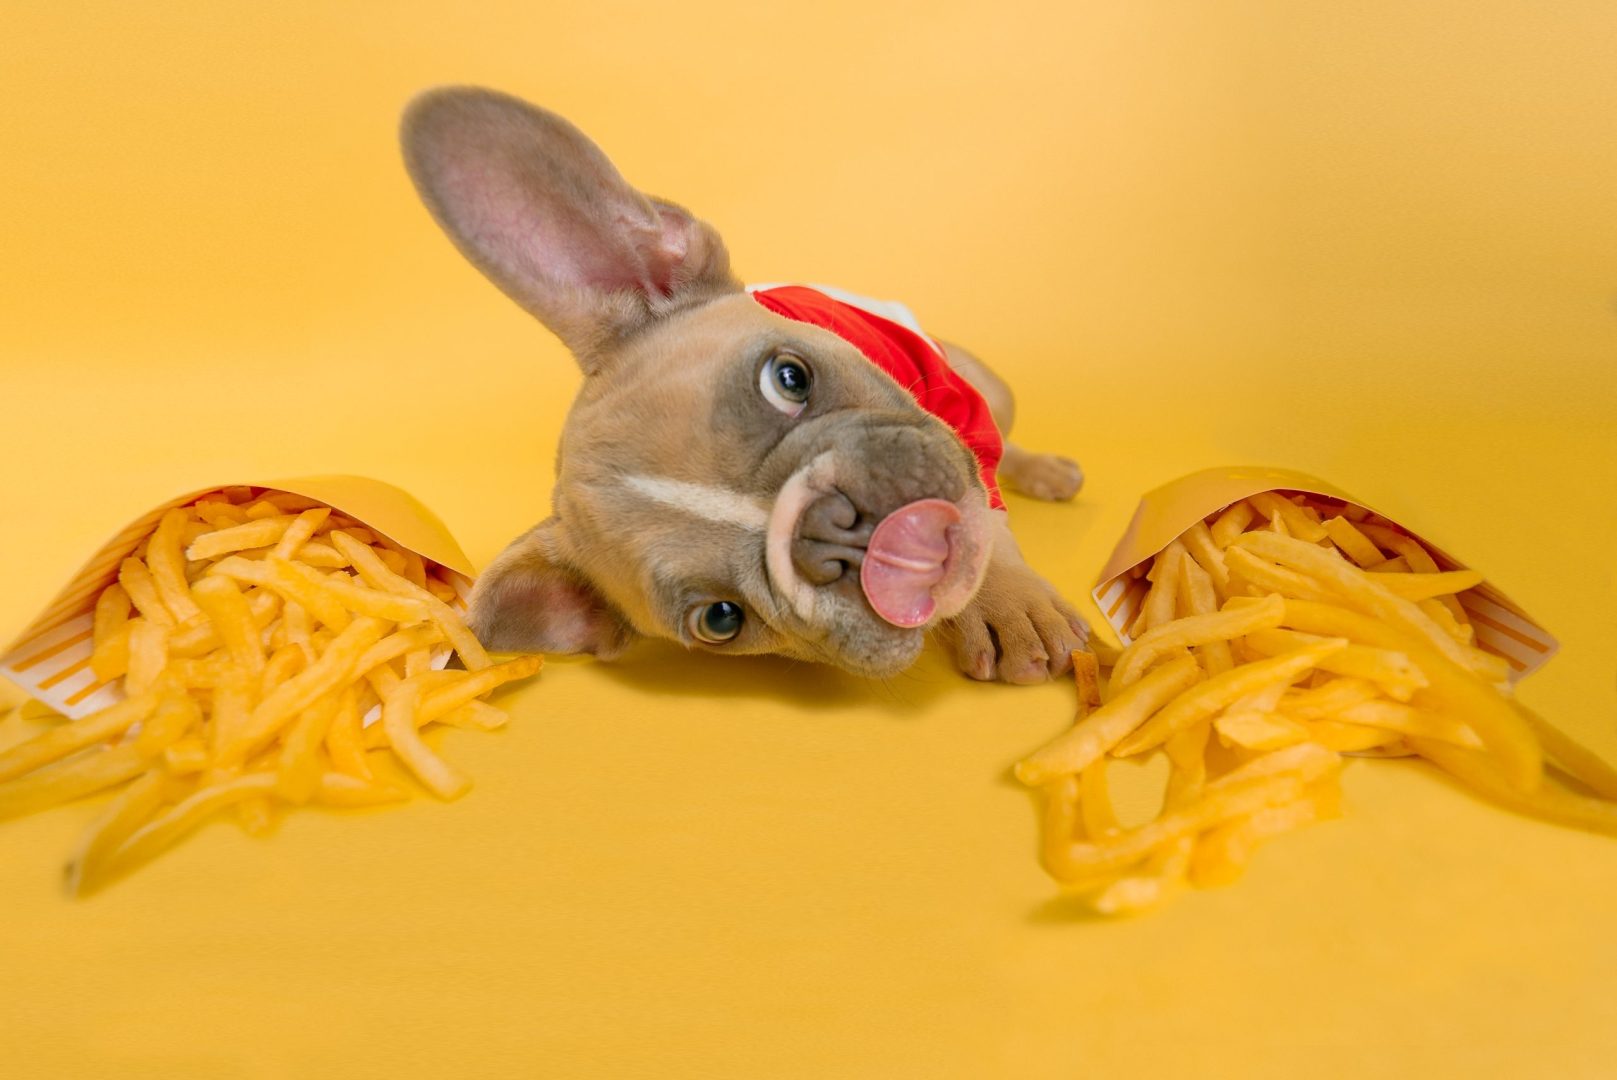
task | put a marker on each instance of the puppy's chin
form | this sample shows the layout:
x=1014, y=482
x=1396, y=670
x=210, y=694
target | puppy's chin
x=865, y=646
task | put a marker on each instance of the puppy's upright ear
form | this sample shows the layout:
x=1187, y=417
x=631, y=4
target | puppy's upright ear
x=529, y=601
x=537, y=207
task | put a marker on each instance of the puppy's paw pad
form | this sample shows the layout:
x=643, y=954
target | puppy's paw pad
x=1044, y=476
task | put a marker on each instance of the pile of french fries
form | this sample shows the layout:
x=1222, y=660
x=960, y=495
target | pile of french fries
x=253, y=633
x=1276, y=636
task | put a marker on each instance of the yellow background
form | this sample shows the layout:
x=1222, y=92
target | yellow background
x=1369, y=241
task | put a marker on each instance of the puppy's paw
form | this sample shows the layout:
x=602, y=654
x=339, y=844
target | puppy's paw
x=1041, y=476
x=1018, y=629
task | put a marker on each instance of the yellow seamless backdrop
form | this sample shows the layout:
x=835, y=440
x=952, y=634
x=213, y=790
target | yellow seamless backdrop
x=1372, y=242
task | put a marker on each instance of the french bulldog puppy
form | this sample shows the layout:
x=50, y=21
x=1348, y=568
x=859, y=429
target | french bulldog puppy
x=740, y=471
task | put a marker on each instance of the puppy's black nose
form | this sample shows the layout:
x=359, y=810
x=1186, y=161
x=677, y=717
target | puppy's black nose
x=831, y=538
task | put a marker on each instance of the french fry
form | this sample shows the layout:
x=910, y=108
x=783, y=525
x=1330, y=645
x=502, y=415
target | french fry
x=324, y=556
x=1353, y=543
x=1347, y=738
x=475, y=715
x=1163, y=872
x=1095, y=801
x=1297, y=523
x=1452, y=690
x=1265, y=577
x=340, y=789
x=110, y=656
x=162, y=831
x=148, y=654
x=74, y=778
x=1578, y=761
x=1260, y=731
x=220, y=514
x=1106, y=653
x=122, y=816
x=477, y=684
x=174, y=717
x=1355, y=589
x=1418, y=559
x=300, y=767
x=1407, y=720
x=284, y=663
x=341, y=590
x=296, y=631
x=1329, y=699
x=1201, y=547
x=1222, y=854
x=262, y=532
x=1388, y=669
x=189, y=755
x=1436, y=611
x=288, y=502
x=1199, y=702
x=256, y=814
x=343, y=743
x=378, y=576
x=290, y=586
x=138, y=585
x=1097, y=733
x=68, y=738
x=1194, y=630
x=1084, y=860
x=301, y=691
x=232, y=620
x=1424, y=586
x=1060, y=821
x=1201, y=598
x=415, y=571
x=398, y=644
x=167, y=565
x=1232, y=522
x=399, y=719
x=1086, y=674
x=300, y=531
x=1548, y=801
x=1188, y=775
x=111, y=614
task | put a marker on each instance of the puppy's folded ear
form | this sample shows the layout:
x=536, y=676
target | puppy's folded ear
x=529, y=601
x=537, y=207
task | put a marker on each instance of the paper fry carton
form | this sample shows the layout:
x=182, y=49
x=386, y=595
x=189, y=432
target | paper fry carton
x=50, y=659
x=1501, y=626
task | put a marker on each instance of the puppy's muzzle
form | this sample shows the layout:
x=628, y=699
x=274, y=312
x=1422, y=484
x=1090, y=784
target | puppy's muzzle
x=832, y=536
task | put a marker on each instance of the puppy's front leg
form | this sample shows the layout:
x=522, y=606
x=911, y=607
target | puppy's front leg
x=1040, y=476
x=1017, y=628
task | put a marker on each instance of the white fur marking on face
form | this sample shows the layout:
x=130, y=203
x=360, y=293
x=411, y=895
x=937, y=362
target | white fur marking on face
x=798, y=491
x=709, y=503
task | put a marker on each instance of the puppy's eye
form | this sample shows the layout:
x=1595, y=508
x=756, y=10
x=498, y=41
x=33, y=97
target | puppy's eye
x=718, y=622
x=785, y=382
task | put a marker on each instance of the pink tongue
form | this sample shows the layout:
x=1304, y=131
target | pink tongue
x=905, y=558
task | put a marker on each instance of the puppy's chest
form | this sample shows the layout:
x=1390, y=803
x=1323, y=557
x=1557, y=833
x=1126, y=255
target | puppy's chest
x=889, y=336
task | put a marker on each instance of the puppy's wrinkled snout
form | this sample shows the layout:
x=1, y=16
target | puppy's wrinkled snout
x=830, y=540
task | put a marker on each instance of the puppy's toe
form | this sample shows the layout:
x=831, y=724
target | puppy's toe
x=1044, y=476
x=973, y=647
x=1059, y=638
x=1023, y=657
